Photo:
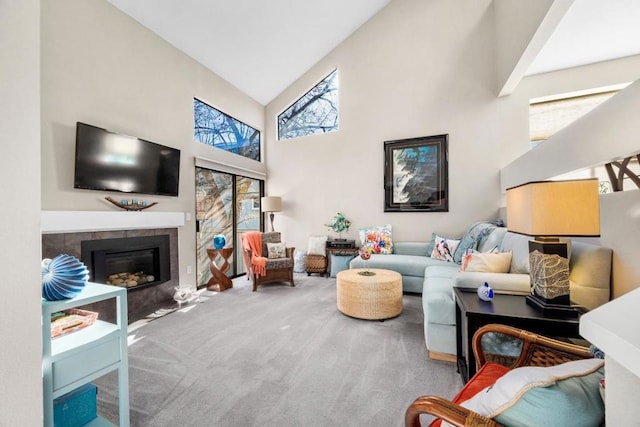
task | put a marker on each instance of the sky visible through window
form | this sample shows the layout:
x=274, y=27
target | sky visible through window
x=219, y=130
x=315, y=112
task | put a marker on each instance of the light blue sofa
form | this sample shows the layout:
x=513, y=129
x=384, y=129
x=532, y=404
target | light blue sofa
x=590, y=278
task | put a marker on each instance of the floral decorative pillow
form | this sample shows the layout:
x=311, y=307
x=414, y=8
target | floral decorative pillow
x=376, y=240
x=276, y=250
x=444, y=248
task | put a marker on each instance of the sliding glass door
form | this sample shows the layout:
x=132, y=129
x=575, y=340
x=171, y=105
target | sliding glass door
x=226, y=204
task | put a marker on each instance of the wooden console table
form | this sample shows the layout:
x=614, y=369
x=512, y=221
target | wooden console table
x=219, y=281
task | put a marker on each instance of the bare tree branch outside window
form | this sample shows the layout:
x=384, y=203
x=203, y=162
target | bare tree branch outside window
x=215, y=128
x=315, y=112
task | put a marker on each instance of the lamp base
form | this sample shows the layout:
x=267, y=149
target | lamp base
x=557, y=311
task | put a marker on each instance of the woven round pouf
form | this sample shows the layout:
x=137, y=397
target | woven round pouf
x=374, y=297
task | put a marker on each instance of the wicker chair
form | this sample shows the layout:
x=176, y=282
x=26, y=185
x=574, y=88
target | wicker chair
x=536, y=351
x=278, y=270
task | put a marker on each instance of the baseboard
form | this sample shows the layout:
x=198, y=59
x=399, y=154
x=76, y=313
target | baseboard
x=444, y=357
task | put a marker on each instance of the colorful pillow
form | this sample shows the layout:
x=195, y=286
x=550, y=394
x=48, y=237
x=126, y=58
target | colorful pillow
x=444, y=248
x=317, y=245
x=487, y=262
x=562, y=395
x=377, y=240
x=276, y=250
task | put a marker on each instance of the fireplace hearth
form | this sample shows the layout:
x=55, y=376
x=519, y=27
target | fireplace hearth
x=155, y=254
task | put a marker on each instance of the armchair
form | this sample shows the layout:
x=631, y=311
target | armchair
x=536, y=350
x=276, y=269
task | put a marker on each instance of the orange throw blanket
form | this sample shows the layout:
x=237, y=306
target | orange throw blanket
x=253, y=241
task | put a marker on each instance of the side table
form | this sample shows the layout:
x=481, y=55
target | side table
x=219, y=280
x=512, y=310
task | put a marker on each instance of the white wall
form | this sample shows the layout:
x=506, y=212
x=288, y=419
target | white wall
x=610, y=131
x=103, y=68
x=417, y=68
x=21, y=349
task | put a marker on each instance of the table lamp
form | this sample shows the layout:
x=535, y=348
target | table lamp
x=271, y=204
x=547, y=210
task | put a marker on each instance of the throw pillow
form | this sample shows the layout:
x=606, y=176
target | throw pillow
x=276, y=250
x=376, y=240
x=317, y=245
x=562, y=395
x=467, y=242
x=444, y=248
x=339, y=263
x=487, y=262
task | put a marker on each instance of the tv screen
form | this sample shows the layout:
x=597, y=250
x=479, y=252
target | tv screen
x=113, y=162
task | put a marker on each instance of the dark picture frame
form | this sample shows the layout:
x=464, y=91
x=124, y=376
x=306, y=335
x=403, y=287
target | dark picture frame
x=416, y=175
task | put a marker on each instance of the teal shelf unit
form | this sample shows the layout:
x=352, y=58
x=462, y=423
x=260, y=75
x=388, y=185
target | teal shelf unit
x=75, y=359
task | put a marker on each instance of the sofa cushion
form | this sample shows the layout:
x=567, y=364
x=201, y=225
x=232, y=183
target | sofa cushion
x=406, y=265
x=439, y=306
x=518, y=244
x=412, y=248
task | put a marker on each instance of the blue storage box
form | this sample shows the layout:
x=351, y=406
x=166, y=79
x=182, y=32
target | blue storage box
x=76, y=408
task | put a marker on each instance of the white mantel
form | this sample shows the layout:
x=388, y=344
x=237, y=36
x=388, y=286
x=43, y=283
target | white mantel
x=88, y=221
x=613, y=328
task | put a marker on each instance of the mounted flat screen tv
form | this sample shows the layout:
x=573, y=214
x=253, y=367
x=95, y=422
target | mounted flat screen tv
x=113, y=162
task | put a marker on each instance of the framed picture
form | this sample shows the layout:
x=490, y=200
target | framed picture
x=416, y=175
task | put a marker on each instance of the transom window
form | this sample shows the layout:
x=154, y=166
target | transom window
x=549, y=115
x=315, y=112
x=219, y=130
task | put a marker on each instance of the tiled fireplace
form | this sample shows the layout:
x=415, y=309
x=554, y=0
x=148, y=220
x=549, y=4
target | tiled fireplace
x=144, y=260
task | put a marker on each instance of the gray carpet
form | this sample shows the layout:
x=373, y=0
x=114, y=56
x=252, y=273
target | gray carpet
x=281, y=356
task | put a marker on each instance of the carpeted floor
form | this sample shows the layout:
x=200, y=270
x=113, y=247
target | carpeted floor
x=280, y=357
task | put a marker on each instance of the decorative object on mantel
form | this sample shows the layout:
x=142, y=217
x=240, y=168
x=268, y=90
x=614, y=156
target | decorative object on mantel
x=63, y=277
x=485, y=292
x=339, y=224
x=366, y=255
x=219, y=241
x=131, y=205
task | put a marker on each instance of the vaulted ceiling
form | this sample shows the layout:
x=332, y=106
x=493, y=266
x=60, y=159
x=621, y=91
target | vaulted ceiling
x=261, y=47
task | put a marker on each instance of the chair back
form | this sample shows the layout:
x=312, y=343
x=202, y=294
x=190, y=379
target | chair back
x=269, y=237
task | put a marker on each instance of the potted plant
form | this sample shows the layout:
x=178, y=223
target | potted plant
x=339, y=224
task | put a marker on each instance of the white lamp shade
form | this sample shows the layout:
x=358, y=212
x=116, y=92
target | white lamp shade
x=271, y=204
x=555, y=208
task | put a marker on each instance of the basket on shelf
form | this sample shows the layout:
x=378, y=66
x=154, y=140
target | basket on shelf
x=71, y=320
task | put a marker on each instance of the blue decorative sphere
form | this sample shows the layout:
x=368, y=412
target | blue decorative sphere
x=219, y=241
x=63, y=277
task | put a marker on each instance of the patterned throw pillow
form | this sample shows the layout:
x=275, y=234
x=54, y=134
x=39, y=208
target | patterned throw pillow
x=444, y=248
x=377, y=240
x=276, y=250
